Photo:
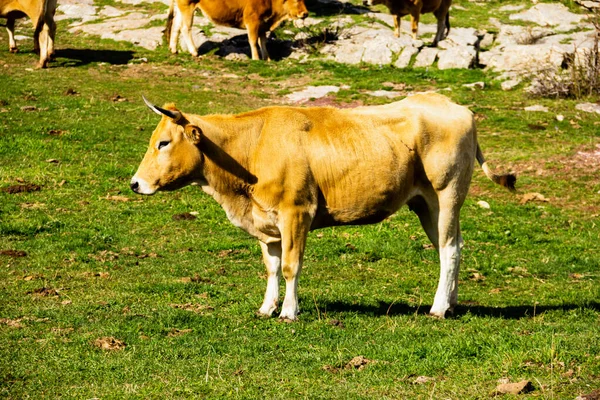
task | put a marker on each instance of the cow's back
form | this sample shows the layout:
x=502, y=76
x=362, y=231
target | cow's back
x=32, y=8
x=365, y=162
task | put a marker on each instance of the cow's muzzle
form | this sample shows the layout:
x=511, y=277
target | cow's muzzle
x=140, y=186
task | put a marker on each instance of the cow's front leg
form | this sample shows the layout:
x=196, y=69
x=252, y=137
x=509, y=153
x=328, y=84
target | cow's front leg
x=414, y=19
x=10, y=29
x=294, y=230
x=253, y=39
x=397, y=22
x=272, y=258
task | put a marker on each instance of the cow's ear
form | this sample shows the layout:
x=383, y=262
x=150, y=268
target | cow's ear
x=193, y=133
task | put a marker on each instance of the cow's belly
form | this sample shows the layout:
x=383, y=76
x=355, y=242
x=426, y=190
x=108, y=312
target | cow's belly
x=368, y=206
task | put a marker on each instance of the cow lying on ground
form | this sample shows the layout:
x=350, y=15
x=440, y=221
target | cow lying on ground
x=256, y=16
x=280, y=172
x=41, y=13
x=400, y=8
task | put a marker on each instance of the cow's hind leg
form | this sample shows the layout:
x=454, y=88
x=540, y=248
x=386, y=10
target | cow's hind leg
x=262, y=42
x=272, y=258
x=449, y=246
x=443, y=23
x=294, y=229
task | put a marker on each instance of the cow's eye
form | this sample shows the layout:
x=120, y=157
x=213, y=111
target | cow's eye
x=163, y=144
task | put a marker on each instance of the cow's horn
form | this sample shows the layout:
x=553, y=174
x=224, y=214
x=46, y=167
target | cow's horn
x=161, y=111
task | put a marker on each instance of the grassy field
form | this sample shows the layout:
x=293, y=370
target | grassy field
x=105, y=294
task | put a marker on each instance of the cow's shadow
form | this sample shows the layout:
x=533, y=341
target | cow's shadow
x=509, y=312
x=79, y=57
x=334, y=7
x=278, y=48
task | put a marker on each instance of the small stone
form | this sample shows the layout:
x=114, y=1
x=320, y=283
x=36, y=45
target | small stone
x=537, y=108
x=510, y=84
x=475, y=85
x=560, y=118
x=588, y=107
x=483, y=204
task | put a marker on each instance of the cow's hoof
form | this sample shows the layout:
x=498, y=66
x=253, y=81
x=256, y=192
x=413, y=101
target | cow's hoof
x=442, y=314
x=42, y=64
x=14, y=50
x=261, y=315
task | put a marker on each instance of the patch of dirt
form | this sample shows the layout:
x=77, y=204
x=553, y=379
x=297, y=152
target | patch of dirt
x=514, y=388
x=24, y=188
x=195, y=308
x=186, y=216
x=594, y=395
x=196, y=279
x=178, y=332
x=56, y=132
x=13, y=253
x=13, y=323
x=45, y=292
x=109, y=343
x=337, y=323
x=357, y=363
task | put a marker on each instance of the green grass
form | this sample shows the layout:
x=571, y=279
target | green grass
x=181, y=295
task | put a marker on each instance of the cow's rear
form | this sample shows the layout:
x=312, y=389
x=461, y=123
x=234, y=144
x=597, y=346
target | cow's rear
x=41, y=13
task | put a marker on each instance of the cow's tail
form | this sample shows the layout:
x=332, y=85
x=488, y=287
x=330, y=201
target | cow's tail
x=170, y=22
x=507, y=180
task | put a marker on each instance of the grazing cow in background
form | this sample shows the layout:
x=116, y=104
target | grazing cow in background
x=41, y=13
x=256, y=16
x=400, y=8
x=280, y=172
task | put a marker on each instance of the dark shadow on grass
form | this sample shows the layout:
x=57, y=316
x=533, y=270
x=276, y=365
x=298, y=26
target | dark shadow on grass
x=78, y=57
x=509, y=312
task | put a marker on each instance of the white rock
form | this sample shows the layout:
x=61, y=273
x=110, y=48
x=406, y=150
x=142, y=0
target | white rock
x=456, y=57
x=109, y=11
x=475, y=85
x=300, y=23
x=487, y=41
x=588, y=107
x=511, y=8
x=560, y=118
x=426, y=57
x=483, y=204
x=149, y=38
x=385, y=93
x=405, y=57
x=547, y=14
x=510, y=84
x=312, y=92
x=537, y=108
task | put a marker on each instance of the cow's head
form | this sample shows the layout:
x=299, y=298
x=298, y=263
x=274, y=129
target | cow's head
x=296, y=9
x=173, y=159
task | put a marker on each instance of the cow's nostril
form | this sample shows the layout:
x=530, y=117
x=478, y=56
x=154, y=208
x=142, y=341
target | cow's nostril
x=134, y=185
x=304, y=15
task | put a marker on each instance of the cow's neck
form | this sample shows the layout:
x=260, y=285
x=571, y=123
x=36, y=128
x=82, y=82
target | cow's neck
x=226, y=145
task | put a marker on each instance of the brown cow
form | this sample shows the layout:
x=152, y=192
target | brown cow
x=256, y=16
x=280, y=172
x=41, y=13
x=400, y=8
